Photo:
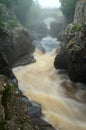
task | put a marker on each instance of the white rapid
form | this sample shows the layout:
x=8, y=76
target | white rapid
x=41, y=83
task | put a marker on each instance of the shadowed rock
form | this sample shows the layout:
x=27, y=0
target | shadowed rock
x=74, y=47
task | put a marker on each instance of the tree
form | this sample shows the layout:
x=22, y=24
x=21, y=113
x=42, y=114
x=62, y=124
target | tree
x=68, y=9
x=22, y=9
x=27, y=11
x=8, y=3
x=35, y=12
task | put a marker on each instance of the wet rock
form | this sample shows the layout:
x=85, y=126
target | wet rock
x=27, y=126
x=15, y=41
x=13, y=108
x=41, y=124
x=2, y=83
x=26, y=100
x=20, y=114
x=2, y=113
x=24, y=61
x=34, y=110
x=16, y=111
x=74, y=46
x=10, y=125
x=18, y=45
x=61, y=61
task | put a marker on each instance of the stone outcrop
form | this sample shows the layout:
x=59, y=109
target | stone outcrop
x=74, y=46
x=15, y=41
x=80, y=12
x=61, y=60
x=16, y=45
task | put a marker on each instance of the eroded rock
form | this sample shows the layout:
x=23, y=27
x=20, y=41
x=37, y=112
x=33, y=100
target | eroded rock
x=80, y=12
x=75, y=48
x=15, y=41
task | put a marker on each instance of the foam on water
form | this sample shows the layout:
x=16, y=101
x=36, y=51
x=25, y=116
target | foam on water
x=41, y=83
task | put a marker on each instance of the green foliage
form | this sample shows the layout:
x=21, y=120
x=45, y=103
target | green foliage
x=1, y=26
x=13, y=23
x=77, y=27
x=8, y=3
x=5, y=99
x=27, y=11
x=68, y=8
x=22, y=9
x=2, y=123
x=35, y=12
x=6, y=25
x=9, y=89
x=5, y=22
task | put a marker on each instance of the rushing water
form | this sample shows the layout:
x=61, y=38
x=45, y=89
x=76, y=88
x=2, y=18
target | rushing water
x=42, y=84
x=47, y=44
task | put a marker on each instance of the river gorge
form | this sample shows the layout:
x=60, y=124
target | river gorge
x=42, y=79
x=42, y=83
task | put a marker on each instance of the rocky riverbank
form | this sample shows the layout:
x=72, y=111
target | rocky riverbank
x=16, y=48
x=16, y=111
x=72, y=56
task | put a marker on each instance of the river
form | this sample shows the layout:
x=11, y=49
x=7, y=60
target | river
x=41, y=83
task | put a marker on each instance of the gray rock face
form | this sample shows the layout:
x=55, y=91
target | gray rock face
x=15, y=41
x=74, y=46
x=80, y=12
x=61, y=61
x=2, y=113
x=17, y=44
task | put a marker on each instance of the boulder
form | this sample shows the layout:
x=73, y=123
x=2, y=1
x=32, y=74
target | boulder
x=34, y=110
x=15, y=41
x=61, y=61
x=18, y=44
